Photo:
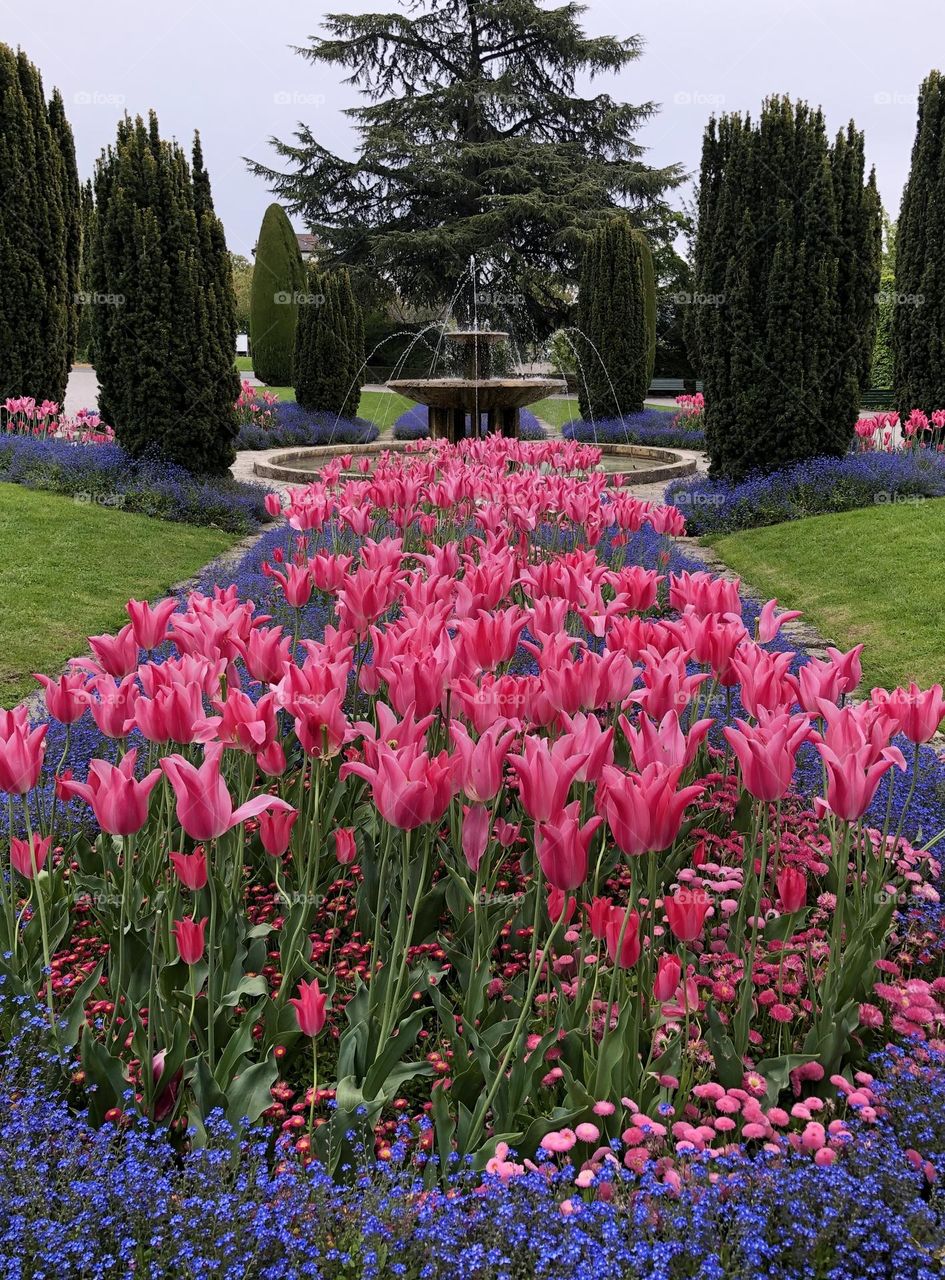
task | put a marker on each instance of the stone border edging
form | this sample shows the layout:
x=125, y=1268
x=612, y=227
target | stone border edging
x=280, y=466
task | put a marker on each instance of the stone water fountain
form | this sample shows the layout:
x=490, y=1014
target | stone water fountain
x=476, y=393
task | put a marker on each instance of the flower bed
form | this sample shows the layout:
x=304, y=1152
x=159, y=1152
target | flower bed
x=414, y=424
x=653, y=426
x=815, y=487
x=75, y=1200
x=268, y=423
x=22, y=416
x=105, y=474
x=443, y=833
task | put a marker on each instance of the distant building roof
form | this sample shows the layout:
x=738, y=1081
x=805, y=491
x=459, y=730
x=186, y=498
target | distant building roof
x=308, y=244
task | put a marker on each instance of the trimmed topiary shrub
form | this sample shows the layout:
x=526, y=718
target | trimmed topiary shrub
x=616, y=344
x=278, y=284
x=784, y=288
x=38, y=235
x=164, y=320
x=329, y=346
x=918, y=324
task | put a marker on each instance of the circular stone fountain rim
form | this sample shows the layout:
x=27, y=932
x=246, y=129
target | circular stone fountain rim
x=283, y=465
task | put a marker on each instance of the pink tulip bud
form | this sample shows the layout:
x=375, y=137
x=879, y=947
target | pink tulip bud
x=310, y=1008
x=190, y=939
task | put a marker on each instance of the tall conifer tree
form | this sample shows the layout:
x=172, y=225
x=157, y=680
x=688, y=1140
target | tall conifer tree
x=164, y=325
x=785, y=276
x=918, y=317
x=616, y=341
x=278, y=283
x=37, y=264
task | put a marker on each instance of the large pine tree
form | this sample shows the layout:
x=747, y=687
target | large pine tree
x=785, y=275
x=38, y=245
x=164, y=326
x=918, y=316
x=475, y=140
x=616, y=338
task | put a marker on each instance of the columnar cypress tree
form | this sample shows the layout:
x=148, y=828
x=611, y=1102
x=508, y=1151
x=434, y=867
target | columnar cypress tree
x=72, y=216
x=918, y=322
x=278, y=281
x=84, y=350
x=37, y=157
x=617, y=322
x=164, y=324
x=785, y=274
x=329, y=351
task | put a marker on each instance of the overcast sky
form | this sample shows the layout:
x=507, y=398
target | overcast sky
x=227, y=67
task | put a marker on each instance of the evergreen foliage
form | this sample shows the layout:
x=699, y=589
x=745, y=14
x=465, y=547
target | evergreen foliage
x=616, y=342
x=84, y=348
x=163, y=323
x=785, y=276
x=278, y=282
x=329, y=352
x=918, y=321
x=38, y=239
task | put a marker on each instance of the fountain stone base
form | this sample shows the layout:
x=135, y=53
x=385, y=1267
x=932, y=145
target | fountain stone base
x=452, y=400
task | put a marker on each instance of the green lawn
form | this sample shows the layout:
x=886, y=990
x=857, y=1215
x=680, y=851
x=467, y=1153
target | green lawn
x=556, y=411
x=67, y=570
x=874, y=575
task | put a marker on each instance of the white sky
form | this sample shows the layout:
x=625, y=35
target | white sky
x=227, y=68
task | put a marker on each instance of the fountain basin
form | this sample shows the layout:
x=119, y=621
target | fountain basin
x=633, y=463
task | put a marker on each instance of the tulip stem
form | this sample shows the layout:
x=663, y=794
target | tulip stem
x=482, y=1109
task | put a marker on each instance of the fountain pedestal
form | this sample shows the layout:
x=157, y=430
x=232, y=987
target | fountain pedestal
x=477, y=394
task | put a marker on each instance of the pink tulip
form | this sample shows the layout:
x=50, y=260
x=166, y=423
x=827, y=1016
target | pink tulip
x=598, y=913
x=545, y=777
x=562, y=847
x=345, y=848
x=113, y=710
x=852, y=781
x=118, y=800
x=917, y=714
x=475, y=834
x=191, y=869
x=630, y=947
x=665, y=743
x=190, y=939
x=770, y=622
x=29, y=858
x=275, y=829
x=172, y=715
x=149, y=623
x=481, y=762
x=792, y=889
x=668, y=976
x=117, y=655
x=685, y=912
x=644, y=810
x=296, y=584
x=410, y=788
x=266, y=653
x=767, y=752
x=66, y=698
x=204, y=805
x=310, y=1008
x=22, y=751
x=588, y=739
